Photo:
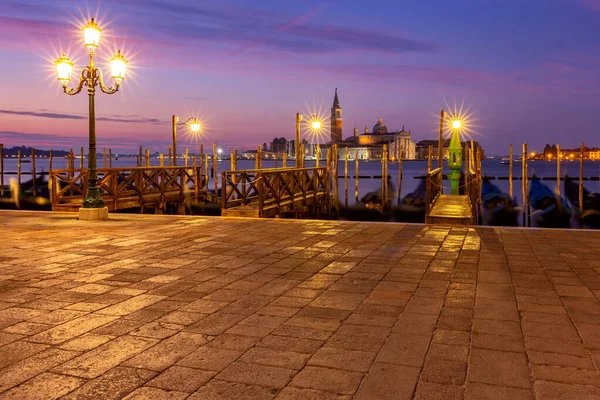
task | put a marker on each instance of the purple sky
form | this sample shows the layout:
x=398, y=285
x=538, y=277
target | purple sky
x=529, y=69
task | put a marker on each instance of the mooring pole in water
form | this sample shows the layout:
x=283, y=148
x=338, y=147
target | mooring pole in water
x=401, y=156
x=510, y=171
x=384, y=176
x=162, y=160
x=581, y=178
x=33, y=171
x=558, y=169
x=284, y=159
x=1, y=169
x=147, y=157
x=169, y=159
x=467, y=169
x=201, y=159
x=187, y=156
x=197, y=178
x=356, y=175
x=206, y=170
x=429, y=155
x=524, y=183
x=346, y=178
x=318, y=155
x=110, y=158
x=141, y=158
x=215, y=176
x=19, y=170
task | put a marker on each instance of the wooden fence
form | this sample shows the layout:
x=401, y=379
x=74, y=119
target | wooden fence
x=129, y=187
x=271, y=192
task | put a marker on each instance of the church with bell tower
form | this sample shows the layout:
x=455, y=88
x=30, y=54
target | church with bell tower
x=336, y=120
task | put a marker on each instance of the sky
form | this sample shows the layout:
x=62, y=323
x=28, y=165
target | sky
x=528, y=70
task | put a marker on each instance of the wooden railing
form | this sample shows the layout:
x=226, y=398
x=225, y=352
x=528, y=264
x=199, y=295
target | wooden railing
x=434, y=188
x=129, y=187
x=276, y=188
x=473, y=190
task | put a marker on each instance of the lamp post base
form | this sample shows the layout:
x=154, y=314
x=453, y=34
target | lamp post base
x=93, y=214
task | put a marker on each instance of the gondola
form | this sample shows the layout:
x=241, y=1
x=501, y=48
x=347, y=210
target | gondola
x=412, y=206
x=591, y=203
x=370, y=207
x=551, y=210
x=498, y=208
x=21, y=197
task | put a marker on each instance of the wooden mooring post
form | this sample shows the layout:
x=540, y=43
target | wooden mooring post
x=318, y=155
x=440, y=154
x=346, y=178
x=33, y=171
x=110, y=158
x=215, y=172
x=356, y=175
x=161, y=157
x=429, y=155
x=581, y=178
x=284, y=160
x=558, y=169
x=81, y=158
x=400, y=159
x=171, y=158
x=206, y=170
x=197, y=178
x=1, y=169
x=19, y=169
x=147, y=161
x=384, y=177
x=510, y=171
x=524, y=183
x=104, y=157
x=141, y=158
x=186, y=157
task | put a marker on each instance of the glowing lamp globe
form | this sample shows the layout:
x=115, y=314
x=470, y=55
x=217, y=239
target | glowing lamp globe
x=456, y=124
x=91, y=35
x=195, y=126
x=316, y=125
x=219, y=151
x=64, y=68
x=118, y=64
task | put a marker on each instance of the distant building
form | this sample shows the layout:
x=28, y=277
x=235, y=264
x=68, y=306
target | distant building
x=370, y=144
x=422, y=149
x=279, y=145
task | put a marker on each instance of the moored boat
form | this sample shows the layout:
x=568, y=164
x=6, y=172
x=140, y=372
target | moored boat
x=551, y=210
x=498, y=208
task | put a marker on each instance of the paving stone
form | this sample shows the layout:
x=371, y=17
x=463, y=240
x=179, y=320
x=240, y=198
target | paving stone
x=388, y=382
x=115, y=384
x=447, y=372
x=499, y=368
x=167, y=352
x=301, y=345
x=405, y=349
x=561, y=391
x=292, y=393
x=27, y=368
x=222, y=390
x=482, y=391
x=46, y=386
x=261, y=375
x=109, y=355
x=210, y=358
x=17, y=351
x=149, y=393
x=71, y=329
x=351, y=360
x=276, y=358
x=332, y=380
x=435, y=391
x=181, y=379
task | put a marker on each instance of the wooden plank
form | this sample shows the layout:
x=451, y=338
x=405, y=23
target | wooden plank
x=451, y=209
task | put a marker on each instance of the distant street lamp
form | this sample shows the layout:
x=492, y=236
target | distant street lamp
x=194, y=125
x=91, y=76
x=455, y=155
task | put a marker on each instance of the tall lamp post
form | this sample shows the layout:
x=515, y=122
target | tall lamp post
x=455, y=155
x=194, y=127
x=91, y=76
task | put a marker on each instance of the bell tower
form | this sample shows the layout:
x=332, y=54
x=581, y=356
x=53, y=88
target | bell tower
x=336, y=120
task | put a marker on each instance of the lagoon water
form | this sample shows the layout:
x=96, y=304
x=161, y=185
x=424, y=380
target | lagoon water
x=411, y=169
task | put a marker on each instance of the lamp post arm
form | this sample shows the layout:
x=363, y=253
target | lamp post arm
x=82, y=81
x=107, y=90
x=186, y=121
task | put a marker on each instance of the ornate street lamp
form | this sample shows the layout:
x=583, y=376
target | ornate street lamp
x=455, y=155
x=91, y=76
x=194, y=126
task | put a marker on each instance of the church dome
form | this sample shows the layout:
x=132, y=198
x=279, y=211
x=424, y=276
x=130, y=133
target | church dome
x=379, y=127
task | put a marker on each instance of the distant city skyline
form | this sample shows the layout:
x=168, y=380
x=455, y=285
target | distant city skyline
x=528, y=70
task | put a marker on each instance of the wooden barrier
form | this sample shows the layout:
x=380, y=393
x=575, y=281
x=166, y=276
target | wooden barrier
x=272, y=192
x=126, y=187
x=434, y=188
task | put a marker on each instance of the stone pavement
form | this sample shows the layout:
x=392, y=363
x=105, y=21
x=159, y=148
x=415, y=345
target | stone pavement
x=167, y=307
